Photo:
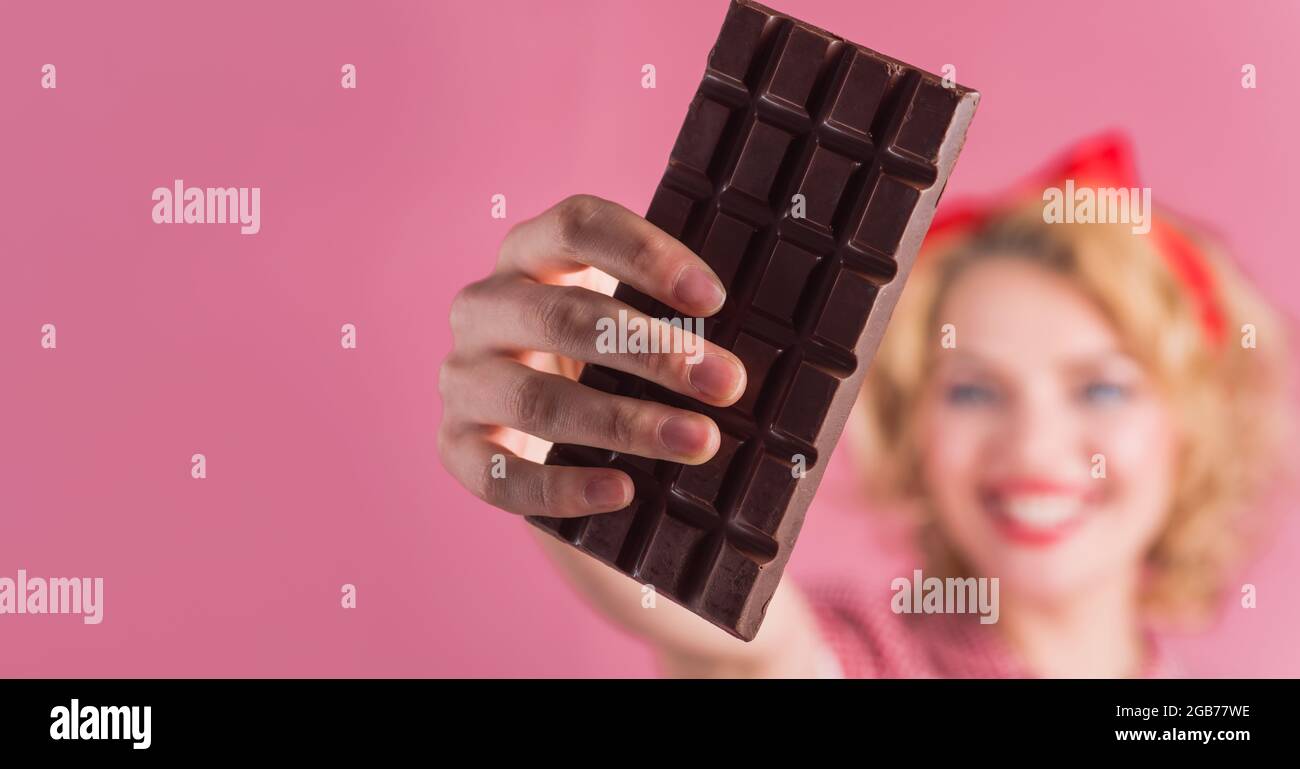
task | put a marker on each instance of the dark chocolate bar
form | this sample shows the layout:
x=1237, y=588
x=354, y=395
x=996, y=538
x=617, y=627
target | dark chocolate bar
x=784, y=109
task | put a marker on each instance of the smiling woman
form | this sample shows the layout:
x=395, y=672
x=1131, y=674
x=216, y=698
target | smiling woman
x=1088, y=437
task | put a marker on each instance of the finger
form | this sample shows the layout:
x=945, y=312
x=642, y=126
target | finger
x=502, y=479
x=584, y=230
x=515, y=315
x=499, y=391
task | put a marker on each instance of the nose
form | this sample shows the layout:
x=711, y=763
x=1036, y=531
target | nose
x=1040, y=433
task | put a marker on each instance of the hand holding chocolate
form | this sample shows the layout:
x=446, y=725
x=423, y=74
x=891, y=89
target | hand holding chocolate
x=806, y=175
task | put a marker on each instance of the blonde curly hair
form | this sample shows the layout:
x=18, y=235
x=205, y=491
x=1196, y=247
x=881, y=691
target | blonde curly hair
x=1231, y=401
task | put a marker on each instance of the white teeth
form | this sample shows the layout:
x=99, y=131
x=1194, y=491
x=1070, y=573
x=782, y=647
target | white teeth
x=1040, y=511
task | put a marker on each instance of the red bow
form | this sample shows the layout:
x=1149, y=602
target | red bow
x=1105, y=160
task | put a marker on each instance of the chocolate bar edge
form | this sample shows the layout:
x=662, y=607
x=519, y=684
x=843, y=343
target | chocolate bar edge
x=925, y=73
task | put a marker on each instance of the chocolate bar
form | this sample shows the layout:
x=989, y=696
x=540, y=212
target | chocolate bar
x=806, y=175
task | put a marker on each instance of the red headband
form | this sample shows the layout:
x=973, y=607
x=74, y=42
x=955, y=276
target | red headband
x=1105, y=160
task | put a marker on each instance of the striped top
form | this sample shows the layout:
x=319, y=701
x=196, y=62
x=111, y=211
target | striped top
x=864, y=638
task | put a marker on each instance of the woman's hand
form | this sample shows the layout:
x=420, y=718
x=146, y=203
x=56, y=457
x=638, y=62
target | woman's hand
x=516, y=330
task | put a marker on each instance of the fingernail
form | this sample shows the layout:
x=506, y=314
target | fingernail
x=696, y=288
x=716, y=377
x=606, y=494
x=686, y=436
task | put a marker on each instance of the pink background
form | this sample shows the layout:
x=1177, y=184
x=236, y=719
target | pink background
x=175, y=339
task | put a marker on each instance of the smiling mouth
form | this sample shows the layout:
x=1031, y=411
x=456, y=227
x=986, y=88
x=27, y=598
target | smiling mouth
x=1038, y=518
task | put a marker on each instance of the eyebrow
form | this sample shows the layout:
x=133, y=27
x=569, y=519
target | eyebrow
x=1101, y=357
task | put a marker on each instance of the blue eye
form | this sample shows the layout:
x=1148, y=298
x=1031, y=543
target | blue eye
x=1104, y=392
x=971, y=394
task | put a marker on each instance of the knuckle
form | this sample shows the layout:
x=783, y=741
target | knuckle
x=640, y=253
x=519, y=492
x=510, y=241
x=550, y=492
x=559, y=315
x=534, y=492
x=491, y=489
x=622, y=425
x=446, y=372
x=462, y=308
x=456, y=314
x=451, y=383
x=573, y=217
x=531, y=403
x=659, y=366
